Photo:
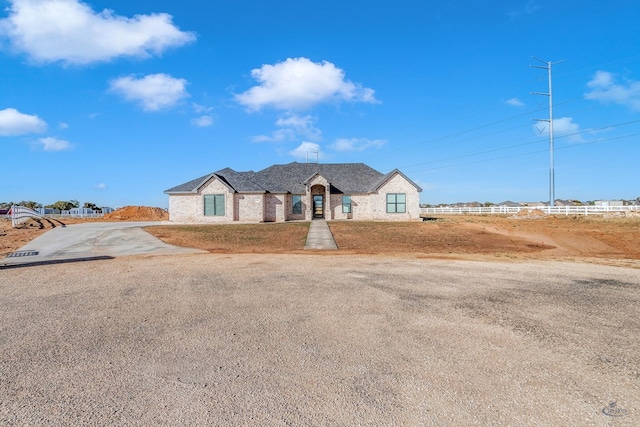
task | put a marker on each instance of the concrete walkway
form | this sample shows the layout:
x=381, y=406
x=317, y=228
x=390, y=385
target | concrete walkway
x=320, y=236
x=91, y=240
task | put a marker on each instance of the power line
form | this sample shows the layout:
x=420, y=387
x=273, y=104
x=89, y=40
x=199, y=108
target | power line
x=530, y=152
x=441, y=142
x=586, y=131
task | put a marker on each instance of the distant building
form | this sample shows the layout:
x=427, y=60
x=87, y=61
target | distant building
x=81, y=211
x=608, y=203
x=560, y=202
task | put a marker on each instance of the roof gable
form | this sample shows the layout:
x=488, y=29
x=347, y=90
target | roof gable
x=346, y=178
x=386, y=178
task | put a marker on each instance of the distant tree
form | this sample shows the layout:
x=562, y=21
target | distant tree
x=63, y=205
x=30, y=204
x=75, y=204
x=89, y=205
x=6, y=205
x=488, y=204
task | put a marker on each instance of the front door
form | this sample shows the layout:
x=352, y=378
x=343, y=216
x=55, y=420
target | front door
x=318, y=206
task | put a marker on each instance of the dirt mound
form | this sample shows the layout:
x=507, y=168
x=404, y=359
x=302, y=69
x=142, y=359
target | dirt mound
x=625, y=214
x=529, y=214
x=137, y=213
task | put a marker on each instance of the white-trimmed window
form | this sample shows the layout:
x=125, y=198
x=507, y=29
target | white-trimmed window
x=214, y=205
x=346, y=204
x=296, y=204
x=396, y=202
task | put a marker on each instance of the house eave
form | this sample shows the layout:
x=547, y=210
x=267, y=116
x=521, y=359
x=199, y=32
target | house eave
x=388, y=176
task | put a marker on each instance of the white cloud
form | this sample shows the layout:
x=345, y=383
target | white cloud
x=100, y=186
x=13, y=122
x=564, y=127
x=301, y=125
x=71, y=32
x=605, y=88
x=514, y=102
x=299, y=83
x=153, y=92
x=357, y=144
x=279, y=135
x=201, y=108
x=63, y=125
x=307, y=150
x=293, y=126
x=202, y=121
x=54, y=144
x=527, y=9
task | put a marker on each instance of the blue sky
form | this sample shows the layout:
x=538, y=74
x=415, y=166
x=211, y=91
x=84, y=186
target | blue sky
x=114, y=102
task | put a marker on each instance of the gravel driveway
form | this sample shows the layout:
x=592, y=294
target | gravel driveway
x=319, y=340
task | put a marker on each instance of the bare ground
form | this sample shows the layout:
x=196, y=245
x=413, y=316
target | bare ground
x=287, y=339
x=401, y=326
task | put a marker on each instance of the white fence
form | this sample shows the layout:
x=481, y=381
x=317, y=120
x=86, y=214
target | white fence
x=73, y=213
x=549, y=210
x=20, y=214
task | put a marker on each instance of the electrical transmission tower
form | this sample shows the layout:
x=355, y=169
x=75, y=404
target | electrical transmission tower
x=552, y=184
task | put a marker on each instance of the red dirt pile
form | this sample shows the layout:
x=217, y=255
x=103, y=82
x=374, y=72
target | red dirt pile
x=137, y=213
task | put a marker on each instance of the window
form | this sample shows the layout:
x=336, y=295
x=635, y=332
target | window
x=346, y=204
x=296, y=207
x=214, y=205
x=396, y=203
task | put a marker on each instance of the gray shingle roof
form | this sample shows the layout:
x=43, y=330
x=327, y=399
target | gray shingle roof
x=191, y=186
x=347, y=178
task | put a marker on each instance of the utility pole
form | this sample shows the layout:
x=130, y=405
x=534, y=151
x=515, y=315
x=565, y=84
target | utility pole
x=552, y=184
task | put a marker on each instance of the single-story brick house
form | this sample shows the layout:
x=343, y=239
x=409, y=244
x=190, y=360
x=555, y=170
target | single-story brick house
x=296, y=191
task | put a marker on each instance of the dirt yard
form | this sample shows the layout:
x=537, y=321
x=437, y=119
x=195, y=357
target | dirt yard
x=612, y=240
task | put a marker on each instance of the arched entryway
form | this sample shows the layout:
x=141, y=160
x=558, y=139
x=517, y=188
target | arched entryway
x=318, y=201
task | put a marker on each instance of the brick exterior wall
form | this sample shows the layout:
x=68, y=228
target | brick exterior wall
x=250, y=207
x=190, y=207
x=397, y=184
x=275, y=205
